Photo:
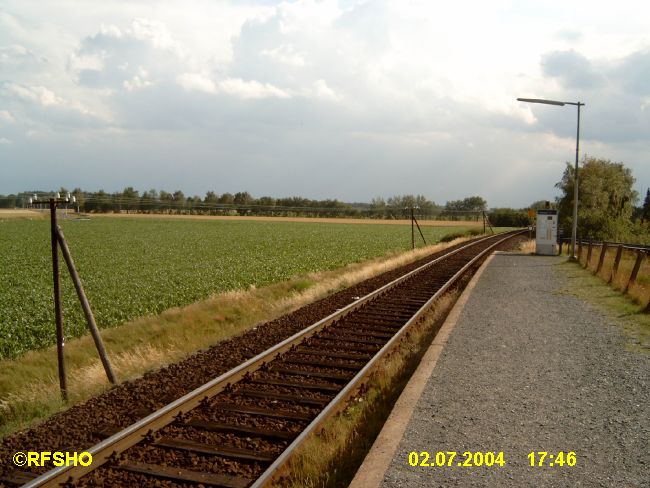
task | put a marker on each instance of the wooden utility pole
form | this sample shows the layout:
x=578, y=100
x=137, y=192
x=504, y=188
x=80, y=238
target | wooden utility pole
x=58, y=240
x=414, y=223
x=58, y=312
x=412, y=230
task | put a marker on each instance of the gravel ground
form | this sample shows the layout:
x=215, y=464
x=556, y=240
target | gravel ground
x=529, y=368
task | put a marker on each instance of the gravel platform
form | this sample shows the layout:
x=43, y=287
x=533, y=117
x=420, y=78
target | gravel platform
x=531, y=368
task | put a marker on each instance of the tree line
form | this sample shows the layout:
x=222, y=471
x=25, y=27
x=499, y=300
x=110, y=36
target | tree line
x=607, y=207
x=131, y=200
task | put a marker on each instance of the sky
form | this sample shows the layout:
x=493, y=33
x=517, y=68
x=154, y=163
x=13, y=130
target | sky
x=344, y=99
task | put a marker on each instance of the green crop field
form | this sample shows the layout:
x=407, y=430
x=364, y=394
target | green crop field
x=132, y=268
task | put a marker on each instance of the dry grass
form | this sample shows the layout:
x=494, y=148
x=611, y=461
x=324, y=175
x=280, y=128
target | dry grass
x=640, y=291
x=330, y=220
x=528, y=246
x=331, y=457
x=29, y=385
x=10, y=213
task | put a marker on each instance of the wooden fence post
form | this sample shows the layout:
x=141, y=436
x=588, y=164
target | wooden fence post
x=617, y=261
x=579, y=243
x=589, y=247
x=637, y=265
x=601, y=260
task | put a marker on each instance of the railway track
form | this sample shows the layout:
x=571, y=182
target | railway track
x=240, y=428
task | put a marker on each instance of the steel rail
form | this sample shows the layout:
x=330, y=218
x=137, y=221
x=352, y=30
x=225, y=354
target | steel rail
x=130, y=436
x=340, y=400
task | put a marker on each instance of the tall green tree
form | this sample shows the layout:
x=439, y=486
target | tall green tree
x=605, y=199
x=227, y=198
x=211, y=198
x=266, y=201
x=130, y=198
x=242, y=198
x=179, y=199
x=469, y=204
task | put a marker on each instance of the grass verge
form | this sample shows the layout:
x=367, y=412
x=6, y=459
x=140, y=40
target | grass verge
x=330, y=458
x=639, y=292
x=29, y=385
x=625, y=310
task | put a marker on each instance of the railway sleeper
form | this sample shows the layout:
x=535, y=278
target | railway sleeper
x=378, y=322
x=185, y=475
x=332, y=354
x=395, y=307
x=360, y=330
x=239, y=429
x=393, y=301
x=317, y=402
x=18, y=478
x=227, y=452
x=265, y=412
x=323, y=364
x=373, y=326
x=342, y=345
x=388, y=315
x=424, y=296
x=350, y=339
x=412, y=301
x=296, y=384
x=313, y=374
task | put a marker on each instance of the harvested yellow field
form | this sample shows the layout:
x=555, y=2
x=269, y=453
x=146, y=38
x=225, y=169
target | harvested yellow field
x=311, y=220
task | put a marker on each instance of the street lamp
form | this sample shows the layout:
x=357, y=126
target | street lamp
x=574, y=230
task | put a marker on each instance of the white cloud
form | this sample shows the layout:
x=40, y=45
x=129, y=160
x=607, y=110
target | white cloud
x=250, y=89
x=230, y=86
x=196, y=82
x=10, y=53
x=148, y=30
x=36, y=94
x=140, y=80
x=285, y=54
x=322, y=90
x=78, y=63
x=5, y=141
x=110, y=31
x=6, y=117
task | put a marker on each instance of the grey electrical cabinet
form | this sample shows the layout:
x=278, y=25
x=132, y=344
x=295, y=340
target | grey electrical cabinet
x=546, y=234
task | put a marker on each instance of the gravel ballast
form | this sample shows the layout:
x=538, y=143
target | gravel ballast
x=527, y=368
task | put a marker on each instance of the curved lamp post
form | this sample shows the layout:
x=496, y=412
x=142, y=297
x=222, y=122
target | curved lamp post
x=574, y=230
